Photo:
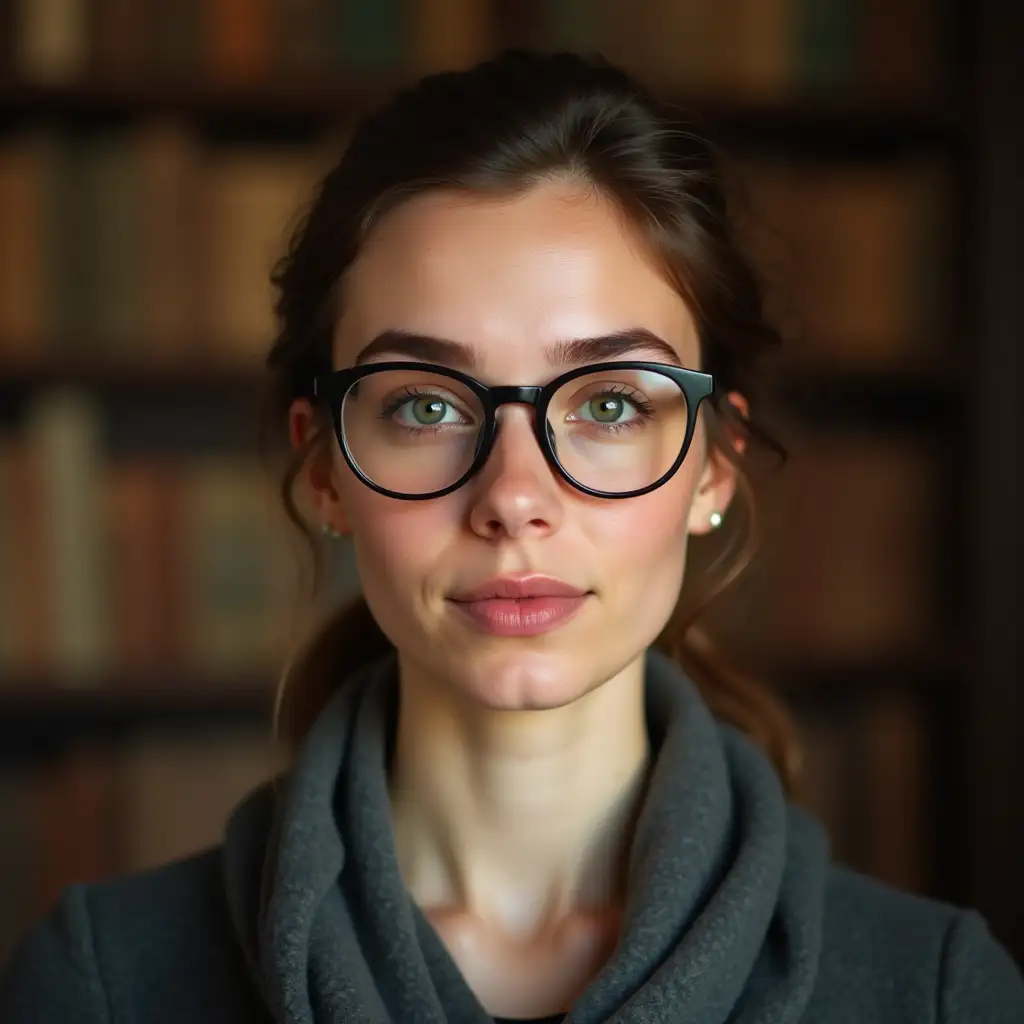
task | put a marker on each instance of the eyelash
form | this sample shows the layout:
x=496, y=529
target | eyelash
x=410, y=393
x=643, y=407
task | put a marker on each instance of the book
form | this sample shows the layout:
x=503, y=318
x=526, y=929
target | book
x=176, y=38
x=23, y=294
x=826, y=35
x=119, y=34
x=239, y=40
x=19, y=856
x=170, y=165
x=826, y=784
x=867, y=779
x=370, y=35
x=894, y=752
x=64, y=437
x=448, y=34
x=899, y=49
x=174, y=792
x=27, y=584
x=856, y=260
x=143, y=523
x=108, y=252
x=854, y=533
x=51, y=40
x=670, y=46
x=761, y=52
x=577, y=25
x=302, y=33
x=74, y=804
x=240, y=598
x=252, y=200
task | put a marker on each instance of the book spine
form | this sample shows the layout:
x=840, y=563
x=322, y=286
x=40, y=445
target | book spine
x=51, y=41
x=448, y=34
x=23, y=298
x=176, y=38
x=238, y=605
x=239, y=40
x=303, y=37
x=169, y=168
x=579, y=26
x=371, y=35
x=111, y=199
x=64, y=431
x=143, y=526
x=826, y=47
x=120, y=32
x=74, y=803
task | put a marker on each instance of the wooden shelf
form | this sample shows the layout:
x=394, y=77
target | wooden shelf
x=107, y=376
x=38, y=715
x=840, y=128
x=871, y=401
x=838, y=683
x=172, y=410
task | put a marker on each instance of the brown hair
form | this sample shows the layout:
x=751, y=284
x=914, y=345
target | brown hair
x=497, y=129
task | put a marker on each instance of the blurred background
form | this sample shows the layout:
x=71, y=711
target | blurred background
x=154, y=155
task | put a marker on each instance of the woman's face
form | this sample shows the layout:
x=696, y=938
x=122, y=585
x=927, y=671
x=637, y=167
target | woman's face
x=508, y=279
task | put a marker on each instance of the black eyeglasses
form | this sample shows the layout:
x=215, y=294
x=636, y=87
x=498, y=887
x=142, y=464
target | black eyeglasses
x=415, y=430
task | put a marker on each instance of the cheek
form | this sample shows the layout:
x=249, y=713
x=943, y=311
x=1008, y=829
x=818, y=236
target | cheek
x=395, y=542
x=643, y=540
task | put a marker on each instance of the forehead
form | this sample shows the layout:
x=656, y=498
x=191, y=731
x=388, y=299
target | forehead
x=510, y=276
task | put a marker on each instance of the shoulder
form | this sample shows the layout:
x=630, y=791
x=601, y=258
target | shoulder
x=119, y=950
x=890, y=955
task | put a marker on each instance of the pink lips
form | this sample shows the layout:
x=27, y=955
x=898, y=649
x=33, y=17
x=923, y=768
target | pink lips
x=520, y=605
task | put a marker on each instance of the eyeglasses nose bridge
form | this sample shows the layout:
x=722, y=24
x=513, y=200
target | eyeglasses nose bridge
x=512, y=394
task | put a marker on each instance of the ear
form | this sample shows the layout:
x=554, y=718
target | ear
x=319, y=480
x=717, y=483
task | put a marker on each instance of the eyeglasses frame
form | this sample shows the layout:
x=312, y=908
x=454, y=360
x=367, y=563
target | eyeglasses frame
x=332, y=387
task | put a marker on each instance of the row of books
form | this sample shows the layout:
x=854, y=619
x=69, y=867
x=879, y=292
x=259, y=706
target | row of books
x=137, y=803
x=761, y=48
x=130, y=564
x=103, y=809
x=143, y=245
x=134, y=567
x=148, y=245
x=848, y=569
x=856, y=260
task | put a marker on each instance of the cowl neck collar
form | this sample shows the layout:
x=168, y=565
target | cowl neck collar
x=725, y=880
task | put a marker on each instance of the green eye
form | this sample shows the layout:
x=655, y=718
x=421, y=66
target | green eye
x=429, y=411
x=606, y=408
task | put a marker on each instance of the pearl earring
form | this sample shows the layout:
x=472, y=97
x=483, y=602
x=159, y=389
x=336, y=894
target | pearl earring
x=715, y=519
x=330, y=531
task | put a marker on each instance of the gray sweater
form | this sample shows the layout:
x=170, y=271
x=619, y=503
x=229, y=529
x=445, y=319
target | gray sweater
x=735, y=913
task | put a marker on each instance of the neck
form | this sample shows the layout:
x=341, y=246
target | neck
x=518, y=818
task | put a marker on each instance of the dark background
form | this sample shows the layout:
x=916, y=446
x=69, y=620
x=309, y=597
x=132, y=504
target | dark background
x=152, y=157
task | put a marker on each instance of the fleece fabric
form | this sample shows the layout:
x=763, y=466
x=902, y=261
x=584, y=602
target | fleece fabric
x=735, y=912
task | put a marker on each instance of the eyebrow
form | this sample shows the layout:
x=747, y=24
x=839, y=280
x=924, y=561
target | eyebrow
x=570, y=352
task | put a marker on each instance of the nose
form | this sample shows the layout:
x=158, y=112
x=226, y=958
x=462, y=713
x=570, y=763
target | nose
x=516, y=494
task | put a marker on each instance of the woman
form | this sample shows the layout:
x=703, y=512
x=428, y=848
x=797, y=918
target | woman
x=516, y=353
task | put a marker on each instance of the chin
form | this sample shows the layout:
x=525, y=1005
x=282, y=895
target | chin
x=522, y=680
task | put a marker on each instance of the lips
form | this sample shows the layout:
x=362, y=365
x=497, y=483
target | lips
x=519, y=606
x=518, y=588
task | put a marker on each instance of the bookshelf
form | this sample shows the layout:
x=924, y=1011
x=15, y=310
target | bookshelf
x=850, y=130
x=39, y=718
x=797, y=132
